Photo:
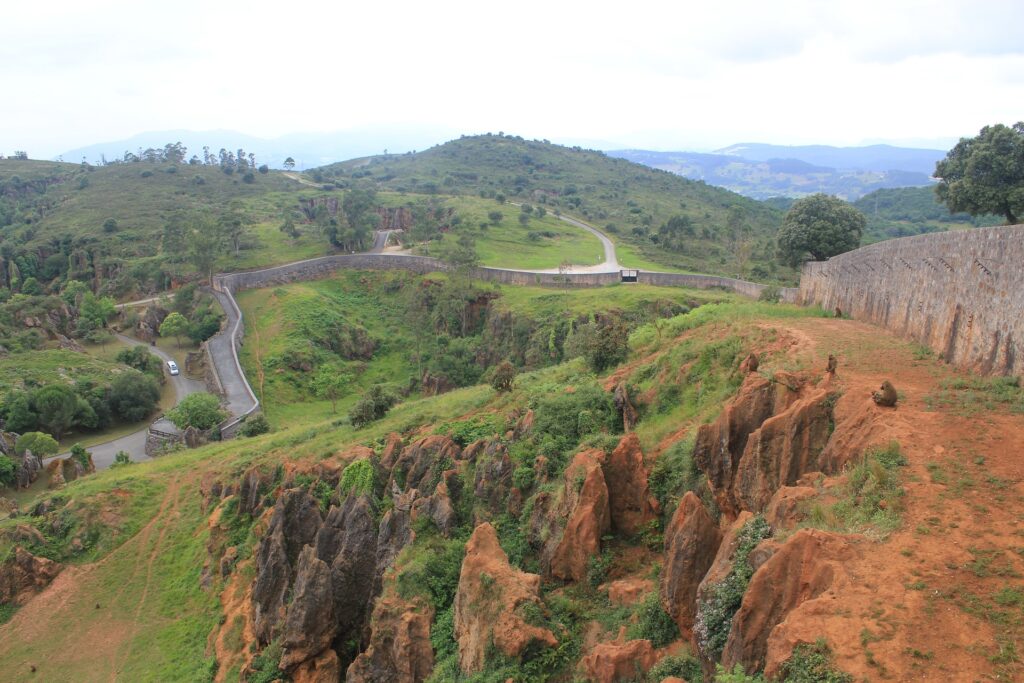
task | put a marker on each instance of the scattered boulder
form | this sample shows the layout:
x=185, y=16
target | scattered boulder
x=585, y=507
x=399, y=649
x=691, y=542
x=632, y=505
x=802, y=568
x=619, y=661
x=489, y=602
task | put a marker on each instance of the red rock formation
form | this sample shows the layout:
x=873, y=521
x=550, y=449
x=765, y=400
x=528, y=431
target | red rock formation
x=325, y=668
x=487, y=604
x=587, y=511
x=632, y=505
x=691, y=542
x=625, y=407
x=783, y=510
x=23, y=575
x=803, y=568
x=628, y=591
x=784, y=448
x=416, y=464
x=619, y=661
x=392, y=449
x=399, y=649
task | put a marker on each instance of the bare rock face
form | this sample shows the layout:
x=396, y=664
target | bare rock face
x=720, y=444
x=619, y=661
x=420, y=460
x=309, y=623
x=293, y=524
x=392, y=449
x=28, y=468
x=784, y=448
x=251, y=490
x=399, y=649
x=783, y=510
x=625, y=407
x=493, y=479
x=691, y=542
x=630, y=499
x=628, y=591
x=23, y=575
x=325, y=668
x=439, y=506
x=803, y=568
x=585, y=506
x=489, y=601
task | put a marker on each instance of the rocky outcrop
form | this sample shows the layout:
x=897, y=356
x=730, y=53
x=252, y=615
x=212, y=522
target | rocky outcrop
x=293, y=524
x=254, y=486
x=627, y=591
x=769, y=435
x=625, y=407
x=399, y=649
x=784, y=448
x=803, y=568
x=392, y=449
x=423, y=460
x=632, y=505
x=23, y=575
x=585, y=507
x=783, y=510
x=27, y=469
x=324, y=668
x=309, y=624
x=148, y=327
x=619, y=661
x=439, y=507
x=493, y=478
x=691, y=542
x=489, y=604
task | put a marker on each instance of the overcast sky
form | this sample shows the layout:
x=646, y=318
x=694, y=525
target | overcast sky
x=659, y=75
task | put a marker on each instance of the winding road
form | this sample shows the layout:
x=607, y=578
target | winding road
x=135, y=443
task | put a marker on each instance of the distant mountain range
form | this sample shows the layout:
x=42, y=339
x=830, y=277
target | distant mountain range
x=762, y=171
x=307, y=149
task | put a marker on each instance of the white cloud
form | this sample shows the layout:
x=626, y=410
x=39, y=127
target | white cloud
x=641, y=74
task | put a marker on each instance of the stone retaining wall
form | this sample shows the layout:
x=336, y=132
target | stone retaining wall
x=959, y=293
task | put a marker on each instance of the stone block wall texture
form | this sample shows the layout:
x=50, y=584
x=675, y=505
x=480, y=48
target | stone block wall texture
x=959, y=293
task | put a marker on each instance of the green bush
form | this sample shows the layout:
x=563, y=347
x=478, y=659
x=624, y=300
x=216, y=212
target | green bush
x=200, y=410
x=121, y=458
x=522, y=477
x=7, y=471
x=39, y=443
x=673, y=474
x=562, y=419
x=374, y=405
x=264, y=665
x=680, y=666
x=357, y=478
x=715, y=612
x=80, y=455
x=654, y=624
x=255, y=425
x=812, y=663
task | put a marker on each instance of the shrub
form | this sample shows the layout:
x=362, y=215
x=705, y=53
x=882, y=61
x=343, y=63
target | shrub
x=7, y=471
x=504, y=376
x=715, y=613
x=597, y=568
x=121, y=458
x=522, y=477
x=673, y=474
x=680, y=666
x=199, y=410
x=654, y=624
x=812, y=663
x=770, y=294
x=603, y=344
x=374, y=405
x=254, y=426
x=80, y=455
x=39, y=443
x=357, y=478
x=133, y=395
x=562, y=419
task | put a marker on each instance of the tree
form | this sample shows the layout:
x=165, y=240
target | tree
x=820, y=225
x=374, y=405
x=289, y=164
x=985, y=174
x=200, y=410
x=504, y=376
x=233, y=225
x=205, y=243
x=41, y=445
x=60, y=409
x=330, y=384
x=110, y=225
x=495, y=216
x=96, y=310
x=18, y=413
x=133, y=395
x=603, y=344
x=174, y=325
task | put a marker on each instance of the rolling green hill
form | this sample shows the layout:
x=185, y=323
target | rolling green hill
x=904, y=211
x=714, y=231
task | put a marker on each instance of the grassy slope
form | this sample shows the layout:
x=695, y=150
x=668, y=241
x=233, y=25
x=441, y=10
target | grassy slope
x=611, y=192
x=366, y=299
x=154, y=617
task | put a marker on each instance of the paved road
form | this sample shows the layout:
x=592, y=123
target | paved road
x=240, y=399
x=135, y=443
x=610, y=263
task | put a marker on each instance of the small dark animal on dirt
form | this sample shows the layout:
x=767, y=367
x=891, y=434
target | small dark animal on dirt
x=886, y=396
x=832, y=363
x=750, y=363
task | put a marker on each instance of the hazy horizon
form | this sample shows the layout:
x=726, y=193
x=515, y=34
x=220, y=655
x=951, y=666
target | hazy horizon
x=679, y=78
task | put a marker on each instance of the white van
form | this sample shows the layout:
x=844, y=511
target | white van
x=172, y=367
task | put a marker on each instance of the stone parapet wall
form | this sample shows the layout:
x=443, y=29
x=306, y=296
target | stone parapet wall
x=959, y=293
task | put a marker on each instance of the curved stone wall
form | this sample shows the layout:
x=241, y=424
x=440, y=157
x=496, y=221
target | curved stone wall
x=959, y=293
